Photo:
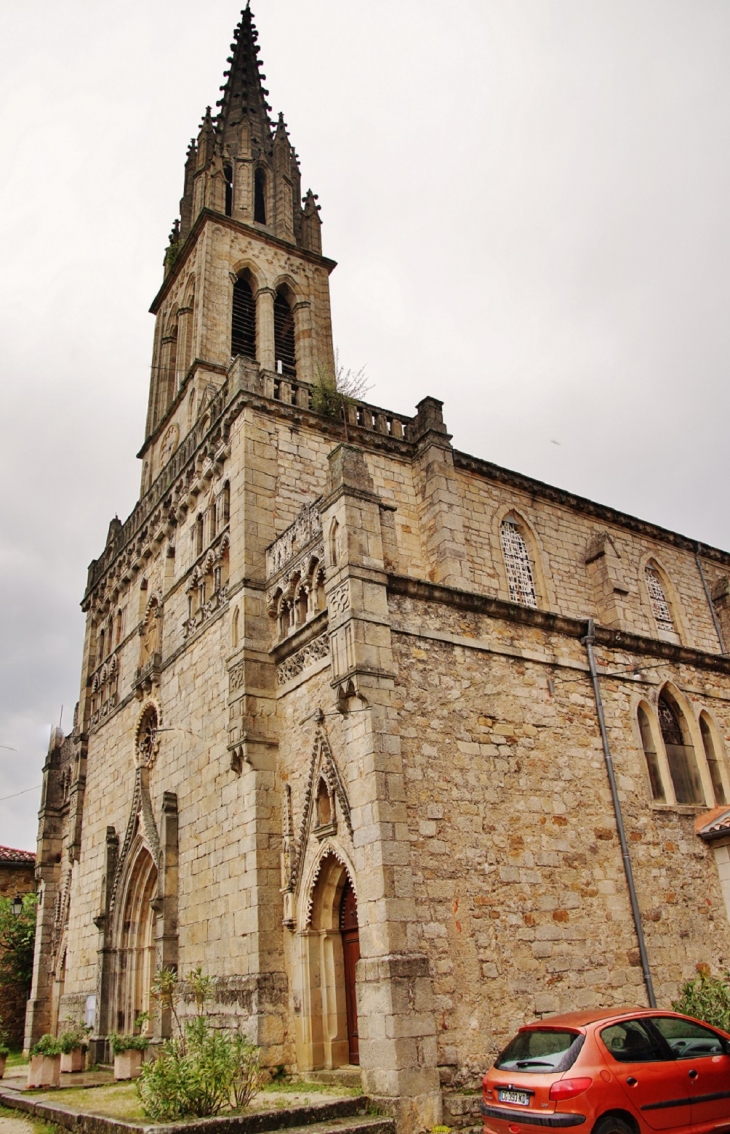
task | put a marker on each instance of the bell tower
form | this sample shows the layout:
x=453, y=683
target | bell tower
x=245, y=282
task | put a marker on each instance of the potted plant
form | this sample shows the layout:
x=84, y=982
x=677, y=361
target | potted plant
x=45, y=1063
x=74, y=1044
x=128, y=1052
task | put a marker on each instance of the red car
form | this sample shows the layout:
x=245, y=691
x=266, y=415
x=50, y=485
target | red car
x=619, y=1071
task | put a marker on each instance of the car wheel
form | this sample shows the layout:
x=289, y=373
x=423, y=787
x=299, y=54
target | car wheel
x=612, y=1124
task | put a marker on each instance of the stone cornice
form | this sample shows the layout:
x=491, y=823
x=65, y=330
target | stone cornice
x=237, y=226
x=588, y=507
x=553, y=623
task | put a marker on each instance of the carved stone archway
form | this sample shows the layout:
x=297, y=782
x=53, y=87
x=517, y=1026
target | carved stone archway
x=134, y=934
x=323, y=1037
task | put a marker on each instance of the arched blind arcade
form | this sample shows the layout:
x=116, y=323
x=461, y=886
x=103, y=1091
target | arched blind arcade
x=284, y=345
x=243, y=321
x=517, y=564
x=659, y=604
x=680, y=755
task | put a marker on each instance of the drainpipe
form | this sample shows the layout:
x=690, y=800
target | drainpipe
x=588, y=643
x=710, y=603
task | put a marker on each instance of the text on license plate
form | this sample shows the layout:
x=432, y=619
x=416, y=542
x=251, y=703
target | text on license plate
x=520, y=1097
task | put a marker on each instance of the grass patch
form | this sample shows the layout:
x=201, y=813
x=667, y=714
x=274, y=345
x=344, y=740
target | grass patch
x=113, y=1100
x=37, y=1124
x=16, y=1059
x=302, y=1088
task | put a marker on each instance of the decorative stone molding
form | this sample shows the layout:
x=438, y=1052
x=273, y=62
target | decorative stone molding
x=313, y=652
x=291, y=544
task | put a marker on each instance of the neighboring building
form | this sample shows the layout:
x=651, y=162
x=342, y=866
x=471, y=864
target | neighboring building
x=336, y=698
x=17, y=878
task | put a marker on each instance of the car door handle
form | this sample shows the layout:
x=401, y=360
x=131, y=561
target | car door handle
x=631, y=1081
x=693, y=1074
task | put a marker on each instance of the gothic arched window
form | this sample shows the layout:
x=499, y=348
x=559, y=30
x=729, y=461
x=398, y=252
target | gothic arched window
x=284, y=344
x=651, y=757
x=680, y=755
x=243, y=320
x=660, y=607
x=517, y=564
x=259, y=196
x=228, y=174
x=713, y=760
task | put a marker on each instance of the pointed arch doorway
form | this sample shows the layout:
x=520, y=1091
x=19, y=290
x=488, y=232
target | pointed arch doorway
x=351, y=955
x=136, y=942
x=327, y=1030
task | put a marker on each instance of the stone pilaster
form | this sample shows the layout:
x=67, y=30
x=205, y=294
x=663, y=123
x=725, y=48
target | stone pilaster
x=441, y=498
x=397, y=1045
x=165, y=901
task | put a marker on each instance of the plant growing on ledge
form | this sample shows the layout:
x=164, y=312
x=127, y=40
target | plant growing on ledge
x=120, y=1044
x=333, y=392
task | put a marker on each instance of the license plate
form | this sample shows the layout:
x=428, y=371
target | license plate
x=519, y=1097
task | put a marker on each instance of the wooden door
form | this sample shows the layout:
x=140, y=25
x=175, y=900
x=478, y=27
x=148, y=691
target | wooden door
x=351, y=953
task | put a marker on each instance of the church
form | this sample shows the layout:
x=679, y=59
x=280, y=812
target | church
x=402, y=747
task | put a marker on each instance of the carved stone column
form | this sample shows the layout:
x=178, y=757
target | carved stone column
x=265, y=349
x=303, y=339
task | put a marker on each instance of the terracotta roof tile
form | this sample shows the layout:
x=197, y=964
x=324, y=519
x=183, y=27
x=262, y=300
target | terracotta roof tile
x=713, y=824
x=9, y=854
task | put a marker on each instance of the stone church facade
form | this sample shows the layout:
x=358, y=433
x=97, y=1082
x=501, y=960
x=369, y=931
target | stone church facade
x=338, y=736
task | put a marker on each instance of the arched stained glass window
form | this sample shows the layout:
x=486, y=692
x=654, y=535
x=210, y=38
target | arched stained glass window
x=659, y=604
x=517, y=564
x=713, y=761
x=680, y=755
x=650, y=755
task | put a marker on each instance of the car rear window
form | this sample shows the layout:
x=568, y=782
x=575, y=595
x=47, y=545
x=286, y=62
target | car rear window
x=541, y=1051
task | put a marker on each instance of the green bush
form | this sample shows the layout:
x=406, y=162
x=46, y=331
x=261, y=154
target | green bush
x=47, y=1045
x=201, y=1071
x=706, y=998
x=75, y=1035
x=120, y=1044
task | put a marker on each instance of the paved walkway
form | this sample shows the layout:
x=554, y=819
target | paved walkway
x=16, y=1126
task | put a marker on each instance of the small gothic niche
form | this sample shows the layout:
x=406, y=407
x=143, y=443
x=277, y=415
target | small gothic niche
x=325, y=821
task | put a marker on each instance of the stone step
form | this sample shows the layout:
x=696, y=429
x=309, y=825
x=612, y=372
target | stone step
x=347, y=1076
x=364, y=1124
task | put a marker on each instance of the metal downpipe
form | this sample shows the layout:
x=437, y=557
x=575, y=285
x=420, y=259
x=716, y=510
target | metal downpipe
x=588, y=643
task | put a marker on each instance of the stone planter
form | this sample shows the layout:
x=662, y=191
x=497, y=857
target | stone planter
x=44, y=1071
x=74, y=1060
x=3, y=1061
x=127, y=1064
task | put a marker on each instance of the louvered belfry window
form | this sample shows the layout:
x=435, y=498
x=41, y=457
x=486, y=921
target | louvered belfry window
x=659, y=604
x=517, y=562
x=243, y=323
x=284, y=346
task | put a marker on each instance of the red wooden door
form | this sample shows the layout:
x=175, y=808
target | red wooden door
x=351, y=952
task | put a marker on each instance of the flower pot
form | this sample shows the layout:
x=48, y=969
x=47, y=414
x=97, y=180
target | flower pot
x=127, y=1064
x=74, y=1060
x=3, y=1061
x=44, y=1071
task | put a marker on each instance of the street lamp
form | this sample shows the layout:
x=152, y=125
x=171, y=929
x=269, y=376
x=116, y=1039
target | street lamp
x=17, y=906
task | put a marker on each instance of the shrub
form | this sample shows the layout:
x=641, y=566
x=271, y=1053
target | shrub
x=47, y=1045
x=706, y=998
x=76, y=1035
x=120, y=1044
x=201, y=1070
x=17, y=939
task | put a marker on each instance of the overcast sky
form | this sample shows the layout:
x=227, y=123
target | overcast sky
x=528, y=201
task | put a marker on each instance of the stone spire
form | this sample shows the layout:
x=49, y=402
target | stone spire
x=244, y=95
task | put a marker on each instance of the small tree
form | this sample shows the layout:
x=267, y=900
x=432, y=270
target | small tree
x=17, y=940
x=706, y=998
